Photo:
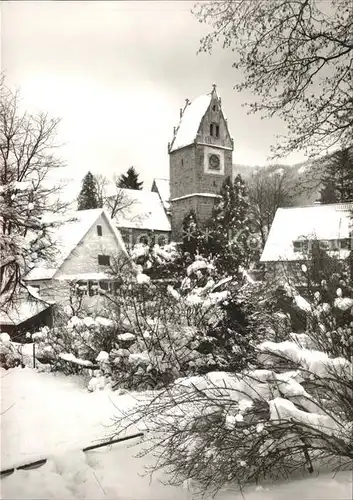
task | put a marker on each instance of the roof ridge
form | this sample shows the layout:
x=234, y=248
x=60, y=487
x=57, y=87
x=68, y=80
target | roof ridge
x=320, y=205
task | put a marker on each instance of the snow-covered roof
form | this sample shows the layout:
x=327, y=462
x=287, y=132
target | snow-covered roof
x=21, y=311
x=67, y=233
x=189, y=124
x=141, y=210
x=85, y=277
x=320, y=222
x=202, y=195
x=163, y=187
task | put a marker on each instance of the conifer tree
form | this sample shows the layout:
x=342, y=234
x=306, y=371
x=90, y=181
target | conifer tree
x=88, y=197
x=230, y=233
x=328, y=192
x=130, y=180
x=337, y=179
x=191, y=234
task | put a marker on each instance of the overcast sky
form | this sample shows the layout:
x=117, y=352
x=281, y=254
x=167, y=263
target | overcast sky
x=117, y=74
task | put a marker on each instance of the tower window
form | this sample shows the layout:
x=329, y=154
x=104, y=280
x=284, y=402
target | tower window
x=214, y=108
x=99, y=230
x=104, y=260
x=182, y=162
x=214, y=130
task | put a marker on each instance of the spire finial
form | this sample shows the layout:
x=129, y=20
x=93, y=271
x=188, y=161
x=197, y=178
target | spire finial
x=214, y=86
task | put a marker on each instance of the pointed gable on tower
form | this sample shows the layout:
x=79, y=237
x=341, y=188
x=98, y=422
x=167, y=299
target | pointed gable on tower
x=196, y=120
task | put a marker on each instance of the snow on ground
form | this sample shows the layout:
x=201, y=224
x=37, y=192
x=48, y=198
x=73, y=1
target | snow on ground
x=46, y=415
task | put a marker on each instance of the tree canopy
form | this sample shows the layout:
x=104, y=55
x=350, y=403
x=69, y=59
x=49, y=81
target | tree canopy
x=88, y=197
x=295, y=57
x=130, y=180
x=337, y=179
x=26, y=194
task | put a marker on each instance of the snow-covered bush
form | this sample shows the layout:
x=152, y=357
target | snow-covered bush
x=9, y=356
x=156, y=332
x=291, y=411
x=204, y=324
x=165, y=262
x=294, y=413
x=76, y=344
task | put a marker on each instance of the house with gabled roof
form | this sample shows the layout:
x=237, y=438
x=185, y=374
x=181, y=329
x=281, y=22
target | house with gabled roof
x=295, y=229
x=85, y=243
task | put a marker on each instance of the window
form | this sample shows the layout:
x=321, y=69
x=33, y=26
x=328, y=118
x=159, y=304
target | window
x=182, y=162
x=99, y=230
x=214, y=108
x=344, y=244
x=104, y=285
x=104, y=260
x=92, y=288
x=300, y=246
x=325, y=244
x=214, y=130
x=81, y=288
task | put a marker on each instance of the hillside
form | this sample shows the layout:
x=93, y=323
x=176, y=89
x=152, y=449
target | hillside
x=305, y=177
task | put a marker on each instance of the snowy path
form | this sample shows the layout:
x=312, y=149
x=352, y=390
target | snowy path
x=53, y=416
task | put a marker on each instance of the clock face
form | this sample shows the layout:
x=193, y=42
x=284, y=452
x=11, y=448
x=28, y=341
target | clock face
x=214, y=162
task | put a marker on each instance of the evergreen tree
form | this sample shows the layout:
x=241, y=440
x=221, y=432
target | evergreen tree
x=88, y=197
x=130, y=180
x=328, y=192
x=337, y=179
x=192, y=234
x=230, y=239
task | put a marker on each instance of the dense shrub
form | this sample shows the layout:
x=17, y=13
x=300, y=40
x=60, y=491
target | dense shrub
x=291, y=412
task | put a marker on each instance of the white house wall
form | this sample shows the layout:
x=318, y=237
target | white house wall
x=84, y=258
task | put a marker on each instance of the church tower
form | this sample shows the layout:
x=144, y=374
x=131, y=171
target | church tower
x=200, y=158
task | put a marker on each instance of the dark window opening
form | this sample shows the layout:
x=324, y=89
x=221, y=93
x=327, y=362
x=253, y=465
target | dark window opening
x=182, y=162
x=214, y=107
x=214, y=130
x=92, y=289
x=104, y=260
x=299, y=245
x=104, y=285
x=345, y=244
x=99, y=230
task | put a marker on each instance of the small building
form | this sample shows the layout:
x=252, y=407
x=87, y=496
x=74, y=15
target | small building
x=25, y=315
x=85, y=244
x=295, y=229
